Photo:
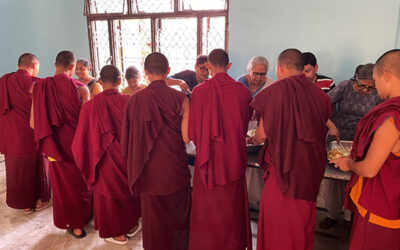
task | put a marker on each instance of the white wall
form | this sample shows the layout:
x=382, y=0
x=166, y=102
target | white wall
x=43, y=27
x=341, y=33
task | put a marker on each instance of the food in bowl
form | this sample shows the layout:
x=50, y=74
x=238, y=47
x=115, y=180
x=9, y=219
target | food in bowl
x=337, y=153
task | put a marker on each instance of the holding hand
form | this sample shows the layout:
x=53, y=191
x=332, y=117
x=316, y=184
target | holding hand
x=343, y=163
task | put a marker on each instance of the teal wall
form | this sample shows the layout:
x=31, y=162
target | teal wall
x=341, y=33
x=43, y=27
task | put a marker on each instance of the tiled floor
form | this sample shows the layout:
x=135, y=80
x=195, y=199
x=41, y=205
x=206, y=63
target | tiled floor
x=36, y=231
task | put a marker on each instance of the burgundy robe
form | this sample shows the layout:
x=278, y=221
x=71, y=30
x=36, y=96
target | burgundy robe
x=157, y=164
x=219, y=116
x=97, y=152
x=295, y=112
x=26, y=169
x=56, y=111
x=378, y=198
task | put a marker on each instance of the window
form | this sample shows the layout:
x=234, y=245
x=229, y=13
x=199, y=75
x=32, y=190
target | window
x=124, y=32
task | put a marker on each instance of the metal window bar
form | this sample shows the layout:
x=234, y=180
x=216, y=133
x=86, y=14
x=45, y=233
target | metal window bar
x=132, y=11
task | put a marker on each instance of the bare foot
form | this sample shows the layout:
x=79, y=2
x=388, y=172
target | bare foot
x=77, y=232
x=120, y=238
x=28, y=210
x=40, y=204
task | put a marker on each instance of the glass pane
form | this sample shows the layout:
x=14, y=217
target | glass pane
x=101, y=45
x=213, y=34
x=177, y=40
x=132, y=43
x=152, y=6
x=203, y=4
x=108, y=6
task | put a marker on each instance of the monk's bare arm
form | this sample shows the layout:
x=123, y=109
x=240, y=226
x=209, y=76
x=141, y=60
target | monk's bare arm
x=385, y=138
x=260, y=135
x=84, y=94
x=181, y=83
x=185, y=120
x=31, y=120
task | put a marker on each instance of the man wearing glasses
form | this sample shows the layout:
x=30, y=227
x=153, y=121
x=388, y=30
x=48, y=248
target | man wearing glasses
x=190, y=77
x=257, y=78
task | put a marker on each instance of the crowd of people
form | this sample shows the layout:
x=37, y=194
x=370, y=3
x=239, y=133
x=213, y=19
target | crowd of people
x=121, y=157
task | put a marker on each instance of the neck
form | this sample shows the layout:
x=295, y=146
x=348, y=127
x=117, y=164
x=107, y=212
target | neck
x=219, y=70
x=30, y=71
x=109, y=86
x=85, y=79
x=62, y=71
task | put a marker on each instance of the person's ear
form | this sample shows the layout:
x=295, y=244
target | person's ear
x=387, y=76
x=316, y=68
x=119, y=81
x=101, y=82
x=228, y=66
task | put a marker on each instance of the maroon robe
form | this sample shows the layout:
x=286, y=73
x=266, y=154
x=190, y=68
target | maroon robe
x=97, y=152
x=56, y=111
x=219, y=116
x=26, y=169
x=295, y=112
x=157, y=164
x=379, y=196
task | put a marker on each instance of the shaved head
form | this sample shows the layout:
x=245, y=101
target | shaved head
x=156, y=64
x=65, y=59
x=110, y=74
x=218, y=58
x=389, y=62
x=27, y=59
x=291, y=59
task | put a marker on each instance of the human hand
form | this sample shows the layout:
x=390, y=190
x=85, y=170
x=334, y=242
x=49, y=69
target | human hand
x=343, y=163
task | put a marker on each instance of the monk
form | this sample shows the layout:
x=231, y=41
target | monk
x=153, y=131
x=219, y=116
x=374, y=188
x=97, y=152
x=294, y=113
x=56, y=104
x=28, y=184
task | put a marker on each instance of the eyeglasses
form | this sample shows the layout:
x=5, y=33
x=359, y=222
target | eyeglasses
x=363, y=86
x=204, y=68
x=260, y=74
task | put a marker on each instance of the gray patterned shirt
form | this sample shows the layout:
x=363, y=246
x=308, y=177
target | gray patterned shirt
x=351, y=107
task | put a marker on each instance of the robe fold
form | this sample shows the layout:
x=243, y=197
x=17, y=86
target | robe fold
x=219, y=116
x=26, y=170
x=295, y=113
x=56, y=111
x=375, y=201
x=151, y=141
x=97, y=152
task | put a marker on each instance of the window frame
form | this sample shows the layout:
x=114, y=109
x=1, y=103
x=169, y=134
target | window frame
x=111, y=17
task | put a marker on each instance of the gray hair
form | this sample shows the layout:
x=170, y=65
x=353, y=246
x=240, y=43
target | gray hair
x=257, y=60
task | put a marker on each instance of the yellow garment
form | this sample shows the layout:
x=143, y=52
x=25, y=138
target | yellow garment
x=51, y=159
x=373, y=218
x=96, y=89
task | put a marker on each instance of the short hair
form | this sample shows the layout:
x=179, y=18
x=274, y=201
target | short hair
x=110, y=74
x=257, y=60
x=218, y=58
x=85, y=62
x=390, y=62
x=27, y=59
x=201, y=59
x=131, y=72
x=365, y=72
x=291, y=59
x=309, y=58
x=156, y=63
x=65, y=59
